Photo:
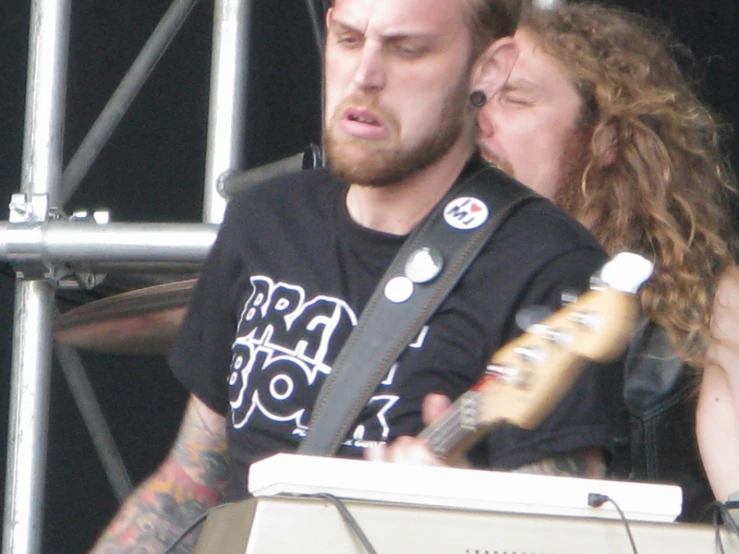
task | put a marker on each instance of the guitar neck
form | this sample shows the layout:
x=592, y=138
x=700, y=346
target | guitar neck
x=458, y=429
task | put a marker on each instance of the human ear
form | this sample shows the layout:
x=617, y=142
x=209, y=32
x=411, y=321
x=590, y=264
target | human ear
x=329, y=13
x=494, y=66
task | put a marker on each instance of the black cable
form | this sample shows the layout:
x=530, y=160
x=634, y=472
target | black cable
x=729, y=520
x=596, y=500
x=330, y=497
x=720, y=514
x=717, y=518
x=717, y=533
x=189, y=529
x=319, y=35
x=348, y=517
x=317, y=26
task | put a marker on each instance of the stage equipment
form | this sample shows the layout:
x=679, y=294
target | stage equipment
x=312, y=525
x=464, y=489
x=234, y=182
x=408, y=508
x=47, y=254
x=143, y=321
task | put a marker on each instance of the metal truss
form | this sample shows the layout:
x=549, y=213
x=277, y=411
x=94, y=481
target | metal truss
x=49, y=249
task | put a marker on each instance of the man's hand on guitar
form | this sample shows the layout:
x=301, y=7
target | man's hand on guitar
x=413, y=450
x=587, y=462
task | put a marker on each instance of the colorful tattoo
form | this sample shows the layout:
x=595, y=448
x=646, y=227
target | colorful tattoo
x=189, y=482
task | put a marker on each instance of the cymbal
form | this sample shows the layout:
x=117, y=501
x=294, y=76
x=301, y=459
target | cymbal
x=143, y=321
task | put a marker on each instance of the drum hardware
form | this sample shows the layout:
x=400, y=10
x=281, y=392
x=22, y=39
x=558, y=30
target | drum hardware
x=58, y=249
x=143, y=321
x=28, y=213
x=77, y=252
x=41, y=173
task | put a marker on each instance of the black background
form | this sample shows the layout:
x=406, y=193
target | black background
x=152, y=171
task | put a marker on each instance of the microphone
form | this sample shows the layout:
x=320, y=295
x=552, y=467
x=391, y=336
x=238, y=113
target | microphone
x=233, y=182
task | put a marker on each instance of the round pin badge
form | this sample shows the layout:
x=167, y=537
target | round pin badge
x=424, y=264
x=399, y=289
x=466, y=213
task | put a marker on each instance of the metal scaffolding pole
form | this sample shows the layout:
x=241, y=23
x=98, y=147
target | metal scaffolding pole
x=43, y=249
x=92, y=414
x=54, y=242
x=226, y=120
x=548, y=4
x=124, y=95
x=31, y=362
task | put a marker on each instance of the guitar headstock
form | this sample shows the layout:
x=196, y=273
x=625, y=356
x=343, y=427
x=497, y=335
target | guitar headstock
x=529, y=376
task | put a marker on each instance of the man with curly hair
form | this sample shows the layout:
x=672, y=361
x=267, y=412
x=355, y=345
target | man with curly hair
x=598, y=116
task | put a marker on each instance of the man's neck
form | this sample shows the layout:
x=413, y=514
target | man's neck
x=397, y=208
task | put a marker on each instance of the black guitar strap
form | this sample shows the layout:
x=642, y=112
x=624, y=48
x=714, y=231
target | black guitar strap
x=424, y=271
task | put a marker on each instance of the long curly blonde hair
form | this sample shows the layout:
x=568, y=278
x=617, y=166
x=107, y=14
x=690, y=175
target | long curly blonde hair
x=656, y=180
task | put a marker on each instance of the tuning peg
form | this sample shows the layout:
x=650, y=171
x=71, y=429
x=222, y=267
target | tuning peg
x=529, y=354
x=586, y=319
x=569, y=297
x=551, y=334
x=508, y=374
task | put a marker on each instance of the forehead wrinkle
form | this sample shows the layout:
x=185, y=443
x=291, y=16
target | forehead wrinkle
x=385, y=28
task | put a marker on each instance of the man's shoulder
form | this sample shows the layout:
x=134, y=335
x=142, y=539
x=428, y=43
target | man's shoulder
x=546, y=226
x=541, y=246
x=308, y=193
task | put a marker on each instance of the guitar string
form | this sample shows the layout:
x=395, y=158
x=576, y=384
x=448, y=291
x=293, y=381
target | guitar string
x=450, y=430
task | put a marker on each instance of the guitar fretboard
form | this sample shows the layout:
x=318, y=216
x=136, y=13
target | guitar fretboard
x=456, y=429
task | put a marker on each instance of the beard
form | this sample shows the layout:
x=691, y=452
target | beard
x=382, y=163
x=500, y=163
x=575, y=157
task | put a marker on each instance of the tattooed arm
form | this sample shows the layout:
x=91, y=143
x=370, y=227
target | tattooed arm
x=580, y=463
x=190, y=481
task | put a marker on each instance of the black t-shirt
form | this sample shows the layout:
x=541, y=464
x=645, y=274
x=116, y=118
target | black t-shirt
x=286, y=281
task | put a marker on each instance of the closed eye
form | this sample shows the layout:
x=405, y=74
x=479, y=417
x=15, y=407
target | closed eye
x=517, y=98
x=518, y=101
x=407, y=48
x=519, y=94
x=348, y=40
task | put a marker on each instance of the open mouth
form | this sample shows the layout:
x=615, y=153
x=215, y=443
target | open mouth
x=367, y=120
x=363, y=116
x=363, y=123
